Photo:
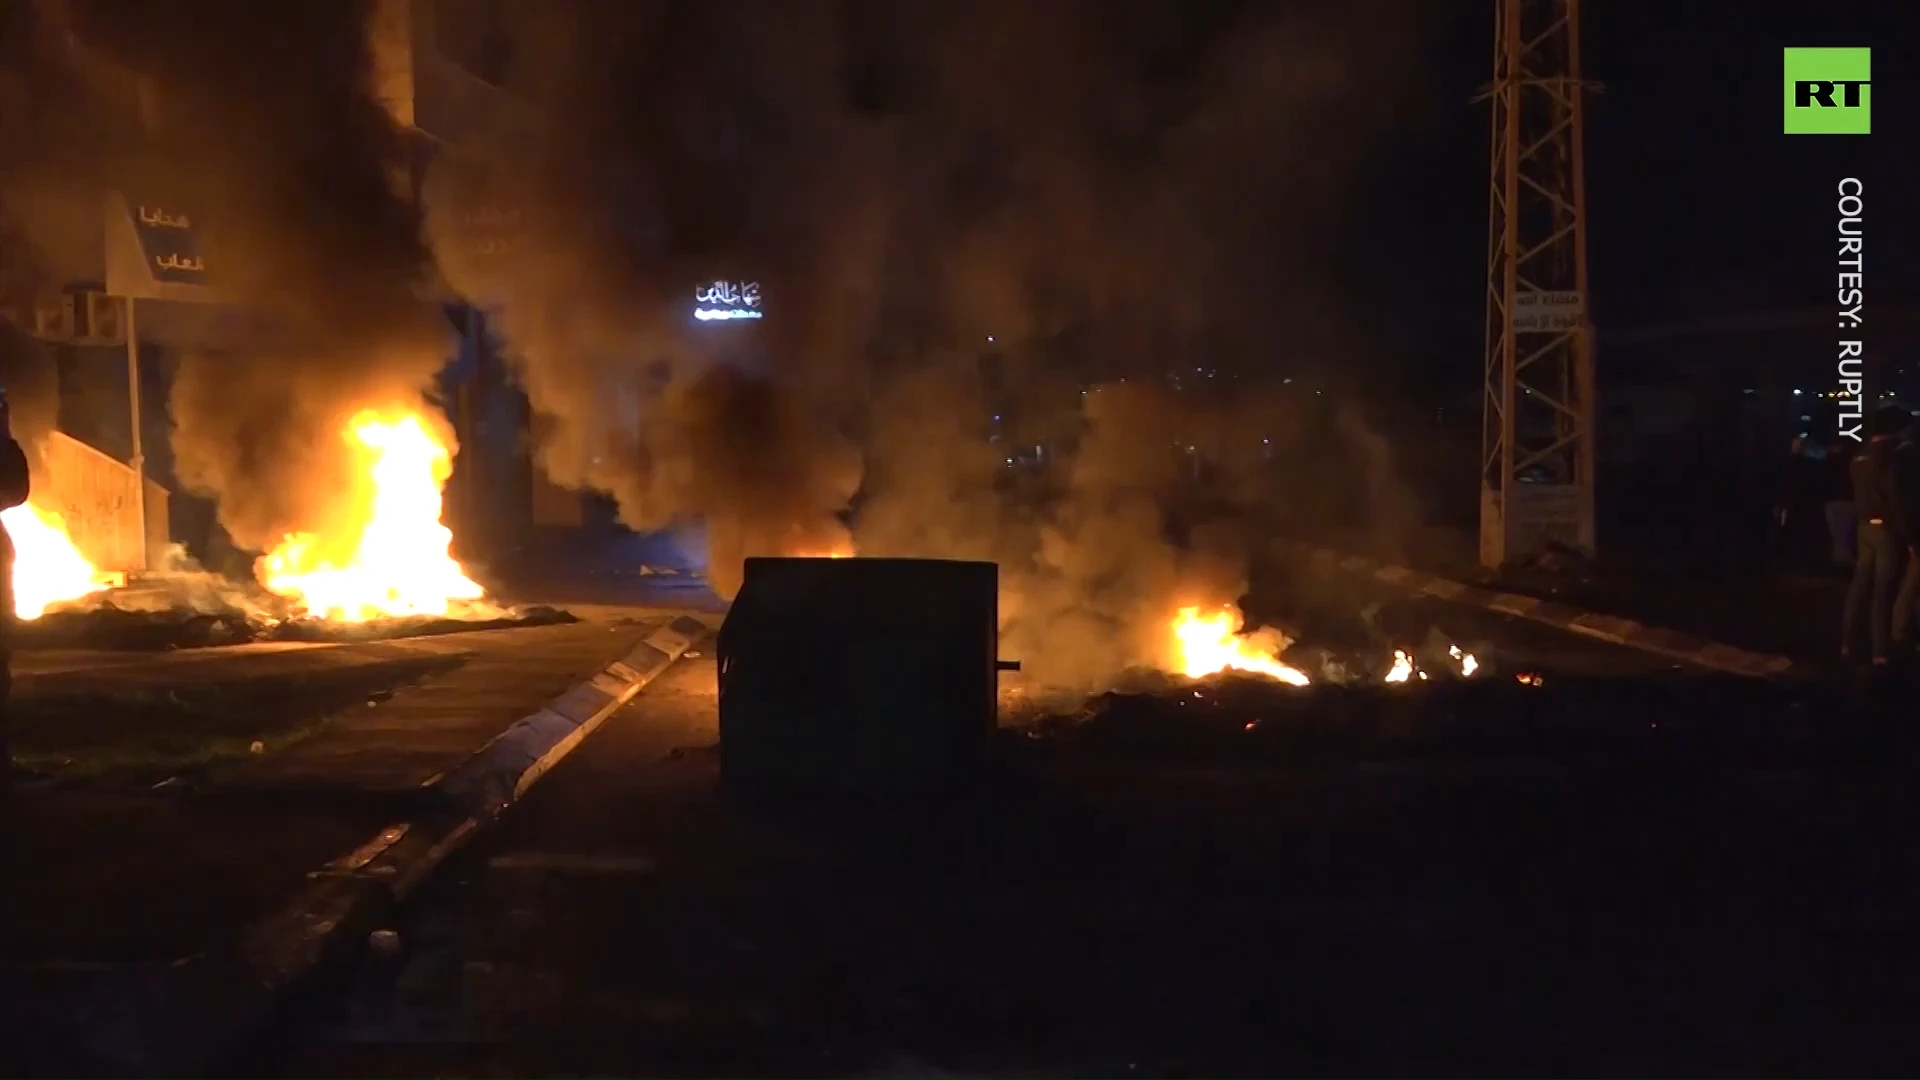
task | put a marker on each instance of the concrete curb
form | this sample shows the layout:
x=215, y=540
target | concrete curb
x=1613, y=629
x=324, y=926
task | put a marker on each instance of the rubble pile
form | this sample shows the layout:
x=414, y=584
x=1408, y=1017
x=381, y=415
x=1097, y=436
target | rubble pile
x=185, y=614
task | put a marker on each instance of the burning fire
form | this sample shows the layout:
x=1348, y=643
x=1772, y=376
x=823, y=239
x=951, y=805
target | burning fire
x=1404, y=667
x=47, y=568
x=398, y=563
x=818, y=544
x=1468, y=664
x=1208, y=644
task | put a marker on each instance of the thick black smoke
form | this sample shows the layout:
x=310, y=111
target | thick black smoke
x=954, y=212
x=262, y=122
x=666, y=145
x=1088, y=190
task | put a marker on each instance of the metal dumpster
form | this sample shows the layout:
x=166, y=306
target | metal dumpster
x=859, y=676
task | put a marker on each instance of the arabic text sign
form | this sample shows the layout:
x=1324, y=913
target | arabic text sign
x=1538, y=312
x=727, y=300
x=169, y=244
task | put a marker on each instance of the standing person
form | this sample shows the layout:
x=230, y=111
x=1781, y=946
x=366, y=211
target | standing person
x=1883, y=535
x=1906, y=489
x=15, y=485
x=1838, y=507
x=1805, y=490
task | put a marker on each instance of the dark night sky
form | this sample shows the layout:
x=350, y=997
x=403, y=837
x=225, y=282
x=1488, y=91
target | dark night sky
x=1697, y=203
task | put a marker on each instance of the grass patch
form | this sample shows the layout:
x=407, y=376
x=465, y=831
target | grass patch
x=145, y=733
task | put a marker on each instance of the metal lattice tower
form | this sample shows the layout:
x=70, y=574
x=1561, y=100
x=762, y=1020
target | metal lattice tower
x=1537, y=446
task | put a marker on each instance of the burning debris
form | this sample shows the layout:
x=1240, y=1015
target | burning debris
x=386, y=569
x=47, y=569
x=123, y=623
x=1401, y=669
x=1210, y=644
x=392, y=561
x=839, y=550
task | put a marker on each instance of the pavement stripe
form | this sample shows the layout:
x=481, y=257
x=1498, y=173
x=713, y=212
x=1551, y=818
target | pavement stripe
x=1660, y=641
x=359, y=857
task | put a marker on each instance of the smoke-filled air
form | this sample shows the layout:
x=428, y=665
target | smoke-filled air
x=261, y=121
x=977, y=228
x=962, y=216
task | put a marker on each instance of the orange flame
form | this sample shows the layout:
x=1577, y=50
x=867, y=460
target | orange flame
x=47, y=568
x=1208, y=644
x=398, y=564
x=827, y=553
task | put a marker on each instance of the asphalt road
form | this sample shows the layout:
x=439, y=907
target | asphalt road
x=1630, y=904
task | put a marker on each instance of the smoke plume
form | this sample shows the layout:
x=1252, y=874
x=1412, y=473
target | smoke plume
x=954, y=212
x=977, y=228
x=262, y=124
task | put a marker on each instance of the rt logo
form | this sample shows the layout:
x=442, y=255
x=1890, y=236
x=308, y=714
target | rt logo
x=1828, y=92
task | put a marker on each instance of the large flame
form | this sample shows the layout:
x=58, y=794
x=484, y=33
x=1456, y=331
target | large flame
x=47, y=568
x=398, y=563
x=1206, y=644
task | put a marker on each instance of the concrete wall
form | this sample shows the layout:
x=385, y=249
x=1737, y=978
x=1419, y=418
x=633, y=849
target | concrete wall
x=96, y=497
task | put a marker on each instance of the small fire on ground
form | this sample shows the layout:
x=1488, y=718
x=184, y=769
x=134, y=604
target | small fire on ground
x=47, y=568
x=1210, y=643
x=1207, y=644
x=396, y=560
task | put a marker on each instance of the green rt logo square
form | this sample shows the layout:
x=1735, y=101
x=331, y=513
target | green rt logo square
x=1827, y=92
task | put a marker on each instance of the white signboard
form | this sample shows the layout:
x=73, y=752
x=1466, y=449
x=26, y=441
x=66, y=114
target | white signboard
x=1537, y=312
x=1544, y=512
x=153, y=253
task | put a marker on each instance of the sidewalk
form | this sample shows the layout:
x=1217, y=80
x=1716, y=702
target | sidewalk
x=1781, y=614
x=112, y=891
